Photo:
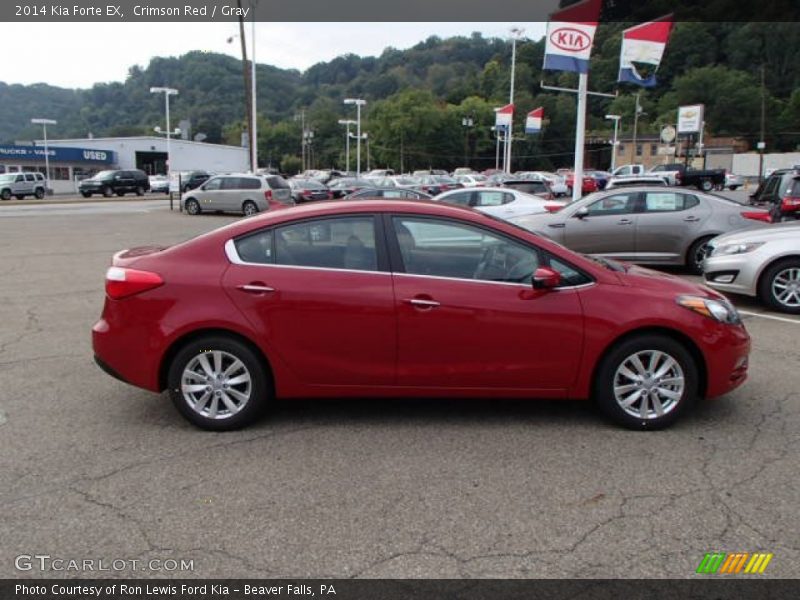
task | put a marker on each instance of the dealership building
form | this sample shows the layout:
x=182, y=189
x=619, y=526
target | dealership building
x=74, y=159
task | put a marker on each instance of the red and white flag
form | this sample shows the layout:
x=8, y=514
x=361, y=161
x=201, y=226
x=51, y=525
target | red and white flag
x=643, y=44
x=504, y=116
x=533, y=124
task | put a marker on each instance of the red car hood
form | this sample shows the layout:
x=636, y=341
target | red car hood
x=645, y=278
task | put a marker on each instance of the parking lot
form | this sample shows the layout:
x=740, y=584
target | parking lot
x=93, y=468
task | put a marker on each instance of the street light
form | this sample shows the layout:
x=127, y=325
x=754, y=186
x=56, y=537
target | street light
x=44, y=123
x=616, y=119
x=468, y=124
x=516, y=34
x=359, y=102
x=347, y=123
x=167, y=93
x=253, y=124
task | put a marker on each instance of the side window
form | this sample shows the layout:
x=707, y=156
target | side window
x=569, y=275
x=29, y=177
x=668, y=202
x=460, y=199
x=615, y=204
x=343, y=243
x=493, y=198
x=231, y=183
x=771, y=187
x=249, y=183
x=20, y=179
x=213, y=184
x=395, y=194
x=447, y=249
x=256, y=247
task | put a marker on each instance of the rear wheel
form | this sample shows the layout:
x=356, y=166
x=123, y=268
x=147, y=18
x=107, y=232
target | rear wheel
x=218, y=383
x=249, y=208
x=697, y=254
x=706, y=185
x=39, y=193
x=779, y=286
x=192, y=207
x=647, y=382
x=5, y=194
x=140, y=191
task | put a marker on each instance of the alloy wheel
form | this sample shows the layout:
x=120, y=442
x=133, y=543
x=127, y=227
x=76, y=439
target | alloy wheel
x=649, y=384
x=786, y=287
x=216, y=384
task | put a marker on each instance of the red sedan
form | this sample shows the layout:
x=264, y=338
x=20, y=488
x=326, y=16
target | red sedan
x=589, y=183
x=407, y=299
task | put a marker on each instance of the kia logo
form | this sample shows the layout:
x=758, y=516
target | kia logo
x=570, y=39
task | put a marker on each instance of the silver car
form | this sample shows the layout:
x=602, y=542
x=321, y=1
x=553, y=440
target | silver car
x=764, y=263
x=241, y=193
x=649, y=225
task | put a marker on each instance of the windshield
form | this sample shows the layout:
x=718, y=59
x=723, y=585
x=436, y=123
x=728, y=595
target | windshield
x=104, y=175
x=609, y=264
x=8, y=178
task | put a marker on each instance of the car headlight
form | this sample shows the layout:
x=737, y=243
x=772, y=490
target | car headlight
x=719, y=310
x=729, y=249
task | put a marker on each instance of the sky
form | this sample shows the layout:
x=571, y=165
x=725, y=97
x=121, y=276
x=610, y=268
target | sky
x=77, y=55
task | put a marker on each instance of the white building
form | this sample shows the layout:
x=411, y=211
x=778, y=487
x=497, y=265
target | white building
x=149, y=153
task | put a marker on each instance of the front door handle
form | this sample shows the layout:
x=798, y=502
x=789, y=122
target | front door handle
x=422, y=302
x=624, y=222
x=255, y=288
x=692, y=219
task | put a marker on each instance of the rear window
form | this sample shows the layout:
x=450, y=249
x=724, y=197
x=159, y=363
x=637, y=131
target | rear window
x=794, y=187
x=277, y=183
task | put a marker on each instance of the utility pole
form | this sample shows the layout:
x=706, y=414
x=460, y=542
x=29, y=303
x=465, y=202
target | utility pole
x=635, y=124
x=248, y=90
x=762, y=143
x=516, y=34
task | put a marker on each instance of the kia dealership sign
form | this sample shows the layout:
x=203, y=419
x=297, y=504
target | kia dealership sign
x=570, y=39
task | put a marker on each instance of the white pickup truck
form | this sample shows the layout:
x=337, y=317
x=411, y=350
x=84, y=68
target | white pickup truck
x=668, y=175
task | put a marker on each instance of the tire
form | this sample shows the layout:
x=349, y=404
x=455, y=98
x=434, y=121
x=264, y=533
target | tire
x=785, y=296
x=249, y=208
x=705, y=185
x=192, y=207
x=696, y=255
x=107, y=192
x=86, y=194
x=140, y=191
x=197, y=362
x=5, y=194
x=675, y=389
x=39, y=193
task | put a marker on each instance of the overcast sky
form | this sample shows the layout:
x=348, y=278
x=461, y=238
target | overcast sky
x=81, y=54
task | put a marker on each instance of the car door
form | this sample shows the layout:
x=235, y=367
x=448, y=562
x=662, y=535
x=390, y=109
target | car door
x=467, y=315
x=30, y=183
x=769, y=192
x=608, y=227
x=319, y=292
x=668, y=222
x=231, y=195
x=210, y=194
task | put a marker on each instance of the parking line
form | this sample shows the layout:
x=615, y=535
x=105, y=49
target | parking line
x=774, y=318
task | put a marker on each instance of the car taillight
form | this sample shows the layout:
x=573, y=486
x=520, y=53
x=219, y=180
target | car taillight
x=678, y=177
x=789, y=203
x=122, y=282
x=272, y=202
x=757, y=215
x=268, y=195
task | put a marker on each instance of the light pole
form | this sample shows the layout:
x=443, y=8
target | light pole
x=359, y=102
x=467, y=123
x=496, y=147
x=347, y=123
x=308, y=137
x=616, y=119
x=167, y=93
x=44, y=123
x=516, y=34
x=252, y=125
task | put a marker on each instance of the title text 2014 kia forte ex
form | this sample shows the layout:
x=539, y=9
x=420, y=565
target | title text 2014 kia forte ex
x=408, y=299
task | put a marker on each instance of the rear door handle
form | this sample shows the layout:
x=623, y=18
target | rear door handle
x=422, y=303
x=692, y=219
x=255, y=288
x=624, y=222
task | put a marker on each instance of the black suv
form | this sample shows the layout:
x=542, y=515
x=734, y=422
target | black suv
x=120, y=183
x=193, y=179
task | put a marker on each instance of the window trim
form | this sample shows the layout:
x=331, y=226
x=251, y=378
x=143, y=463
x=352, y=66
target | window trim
x=398, y=267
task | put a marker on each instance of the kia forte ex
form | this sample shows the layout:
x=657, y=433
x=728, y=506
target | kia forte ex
x=394, y=298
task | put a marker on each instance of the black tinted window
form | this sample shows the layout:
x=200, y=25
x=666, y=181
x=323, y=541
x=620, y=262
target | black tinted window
x=249, y=183
x=343, y=243
x=460, y=199
x=255, y=248
x=448, y=249
x=277, y=183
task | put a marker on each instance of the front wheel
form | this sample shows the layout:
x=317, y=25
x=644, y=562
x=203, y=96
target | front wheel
x=5, y=194
x=140, y=191
x=779, y=287
x=647, y=382
x=696, y=255
x=218, y=383
x=192, y=207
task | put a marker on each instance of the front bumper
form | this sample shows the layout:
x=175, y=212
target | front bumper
x=727, y=353
x=745, y=269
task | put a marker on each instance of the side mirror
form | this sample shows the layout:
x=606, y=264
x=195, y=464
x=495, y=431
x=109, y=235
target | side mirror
x=582, y=212
x=545, y=278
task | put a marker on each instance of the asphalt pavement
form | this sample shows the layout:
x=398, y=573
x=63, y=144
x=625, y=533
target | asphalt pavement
x=91, y=468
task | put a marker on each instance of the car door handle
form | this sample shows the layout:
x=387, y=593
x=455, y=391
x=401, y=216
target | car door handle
x=255, y=288
x=422, y=303
x=692, y=219
x=624, y=222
